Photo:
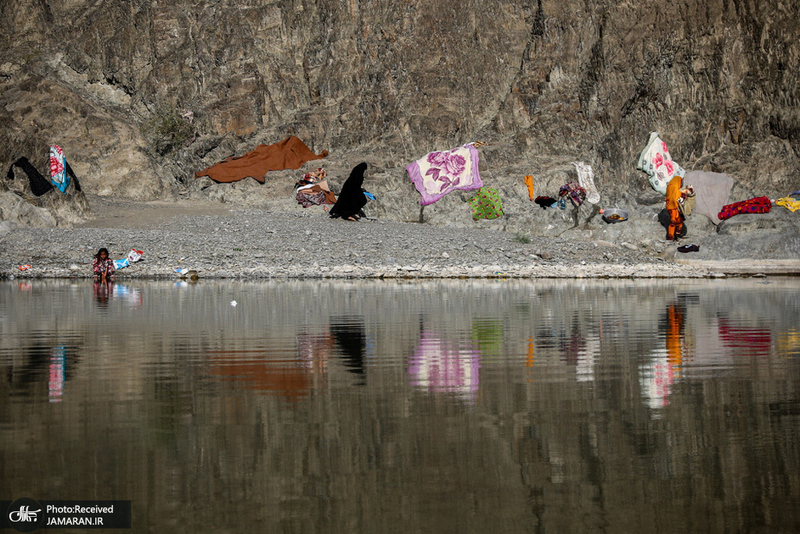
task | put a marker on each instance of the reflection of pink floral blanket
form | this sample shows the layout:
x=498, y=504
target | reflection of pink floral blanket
x=442, y=366
x=439, y=173
x=656, y=161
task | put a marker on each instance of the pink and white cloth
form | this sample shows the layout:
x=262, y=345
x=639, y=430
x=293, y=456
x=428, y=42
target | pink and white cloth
x=439, y=173
x=58, y=168
x=656, y=161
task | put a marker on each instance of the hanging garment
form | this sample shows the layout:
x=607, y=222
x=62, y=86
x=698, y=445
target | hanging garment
x=58, y=169
x=439, y=173
x=586, y=180
x=529, y=184
x=575, y=193
x=38, y=183
x=656, y=161
x=486, y=204
x=291, y=153
x=711, y=189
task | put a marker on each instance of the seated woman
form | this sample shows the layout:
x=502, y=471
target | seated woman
x=351, y=198
x=103, y=266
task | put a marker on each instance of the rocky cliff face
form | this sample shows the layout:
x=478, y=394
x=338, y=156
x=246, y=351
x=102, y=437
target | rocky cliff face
x=142, y=93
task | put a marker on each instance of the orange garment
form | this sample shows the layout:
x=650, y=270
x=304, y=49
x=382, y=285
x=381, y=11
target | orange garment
x=673, y=195
x=529, y=183
x=291, y=153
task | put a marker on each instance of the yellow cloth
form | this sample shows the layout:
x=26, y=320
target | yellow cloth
x=789, y=203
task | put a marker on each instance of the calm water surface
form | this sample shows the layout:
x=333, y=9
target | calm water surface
x=480, y=406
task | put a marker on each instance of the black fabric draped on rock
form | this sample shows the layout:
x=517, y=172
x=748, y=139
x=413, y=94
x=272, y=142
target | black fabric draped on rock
x=351, y=199
x=39, y=184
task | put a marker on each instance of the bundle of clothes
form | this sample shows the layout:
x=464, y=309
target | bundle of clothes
x=577, y=193
x=312, y=189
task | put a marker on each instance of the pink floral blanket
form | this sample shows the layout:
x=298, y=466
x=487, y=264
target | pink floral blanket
x=439, y=173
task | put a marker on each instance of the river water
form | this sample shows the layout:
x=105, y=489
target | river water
x=432, y=406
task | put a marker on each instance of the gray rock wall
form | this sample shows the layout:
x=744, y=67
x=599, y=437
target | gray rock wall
x=545, y=82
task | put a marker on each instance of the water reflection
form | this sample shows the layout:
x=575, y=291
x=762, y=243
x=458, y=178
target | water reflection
x=445, y=366
x=663, y=368
x=40, y=363
x=475, y=406
x=102, y=292
x=348, y=333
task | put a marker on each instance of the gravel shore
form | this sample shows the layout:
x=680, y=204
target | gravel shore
x=218, y=241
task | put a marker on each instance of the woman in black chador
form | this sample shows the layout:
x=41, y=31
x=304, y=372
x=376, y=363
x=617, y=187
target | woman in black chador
x=351, y=198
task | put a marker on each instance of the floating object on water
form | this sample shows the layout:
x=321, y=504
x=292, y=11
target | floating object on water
x=233, y=303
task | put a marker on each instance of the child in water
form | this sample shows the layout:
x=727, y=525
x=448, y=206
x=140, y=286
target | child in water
x=103, y=266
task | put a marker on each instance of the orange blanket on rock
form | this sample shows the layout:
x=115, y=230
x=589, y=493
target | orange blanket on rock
x=291, y=153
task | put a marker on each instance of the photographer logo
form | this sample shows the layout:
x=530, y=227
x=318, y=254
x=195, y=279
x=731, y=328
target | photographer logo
x=25, y=515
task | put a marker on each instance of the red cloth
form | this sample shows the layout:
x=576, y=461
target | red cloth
x=753, y=205
x=291, y=153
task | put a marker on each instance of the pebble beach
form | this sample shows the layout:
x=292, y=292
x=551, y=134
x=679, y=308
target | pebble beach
x=219, y=241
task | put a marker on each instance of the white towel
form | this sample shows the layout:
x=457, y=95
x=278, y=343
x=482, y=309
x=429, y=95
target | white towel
x=586, y=181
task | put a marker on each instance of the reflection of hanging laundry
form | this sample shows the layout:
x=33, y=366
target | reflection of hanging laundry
x=673, y=335
x=351, y=341
x=754, y=340
x=656, y=378
x=251, y=369
x=584, y=371
x=788, y=343
x=529, y=359
x=488, y=333
x=55, y=383
x=441, y=366
x=571, y=348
